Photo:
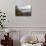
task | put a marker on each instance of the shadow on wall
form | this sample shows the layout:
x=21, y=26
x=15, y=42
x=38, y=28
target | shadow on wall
x=15, y=37
x=16, y=43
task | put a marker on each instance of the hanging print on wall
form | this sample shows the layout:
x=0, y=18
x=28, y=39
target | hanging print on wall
x=23, y=10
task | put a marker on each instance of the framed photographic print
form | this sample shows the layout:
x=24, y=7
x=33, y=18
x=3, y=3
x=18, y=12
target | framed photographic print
x=23, y=10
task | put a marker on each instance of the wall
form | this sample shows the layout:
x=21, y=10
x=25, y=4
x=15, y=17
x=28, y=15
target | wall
x=39, y=13
x=38, y=18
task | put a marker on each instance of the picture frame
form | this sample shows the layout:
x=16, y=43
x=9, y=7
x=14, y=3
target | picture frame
x=23, y=10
